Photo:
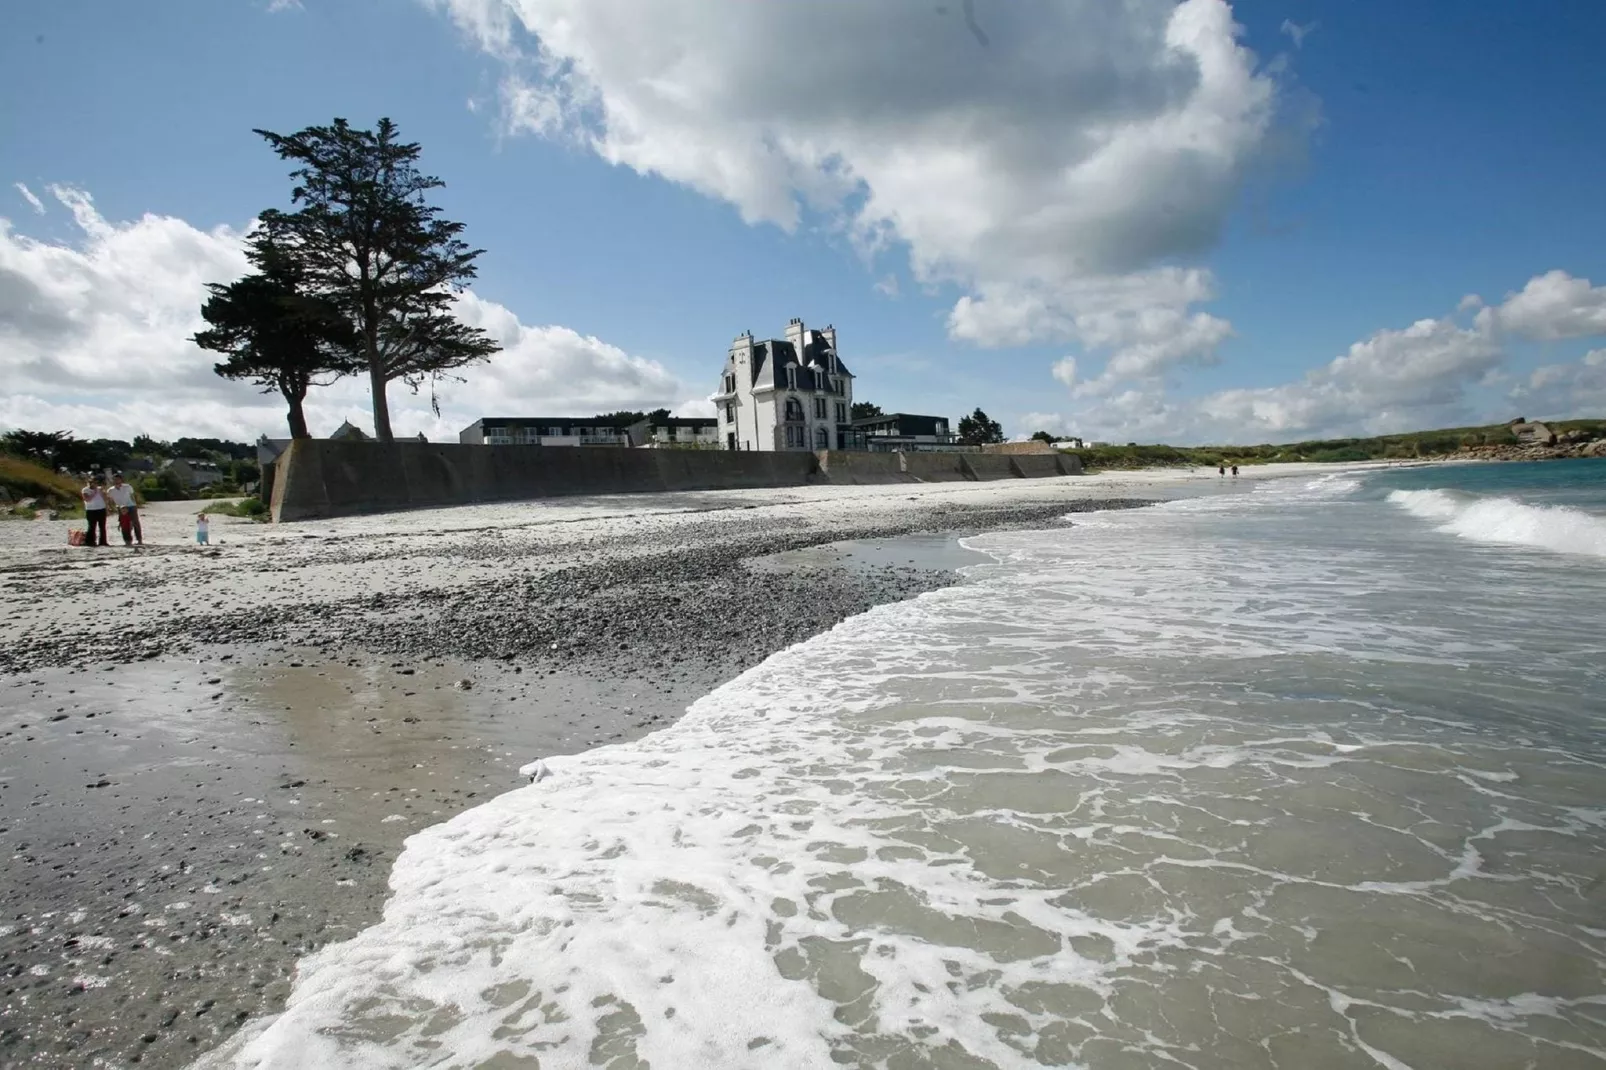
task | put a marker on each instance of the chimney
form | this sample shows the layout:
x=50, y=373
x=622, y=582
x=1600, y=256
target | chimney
x=796, y=335
x=830, y=340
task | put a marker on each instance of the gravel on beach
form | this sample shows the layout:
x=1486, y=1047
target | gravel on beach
x=209, y=758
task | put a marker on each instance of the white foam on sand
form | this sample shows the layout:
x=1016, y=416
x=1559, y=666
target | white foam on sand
x=1506, y=520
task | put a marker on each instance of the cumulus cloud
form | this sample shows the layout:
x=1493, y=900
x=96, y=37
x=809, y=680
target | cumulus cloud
x=1398, y=379
x=1551, y=306
x=94, y=337
x=1051, y=158
x=1575, y=387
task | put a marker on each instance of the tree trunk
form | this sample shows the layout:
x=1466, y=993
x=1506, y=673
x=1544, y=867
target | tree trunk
x=376, y=378
x=296, y=418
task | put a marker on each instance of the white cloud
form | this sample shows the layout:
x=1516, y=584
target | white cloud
x=94, y=338
x=888, y=285
x=1551, y=306
x=1054, y=423
x=1433, y=373
x=1053, y=160
x=1296, y=32
x=1395, y=380
x=1560, y=390
x=32, y=198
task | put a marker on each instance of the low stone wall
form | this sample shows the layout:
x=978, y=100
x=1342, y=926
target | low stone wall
x=317, y=478
x=1036, y=446
x=935, y=467
x=323, y=478
x=854, y=468
x=985, y=466
x=1039, y=467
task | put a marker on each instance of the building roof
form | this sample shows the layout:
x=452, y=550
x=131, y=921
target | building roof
x=347, y=429
x=773, y=356
x=548, y=421
x=906, y=423
x=687, y=421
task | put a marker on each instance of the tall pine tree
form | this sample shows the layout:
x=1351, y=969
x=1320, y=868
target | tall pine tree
x=370, y=244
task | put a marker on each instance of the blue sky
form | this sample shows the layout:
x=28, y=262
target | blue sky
x=1367, y=166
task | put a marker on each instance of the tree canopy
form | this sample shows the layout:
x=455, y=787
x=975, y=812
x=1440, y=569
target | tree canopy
x=368, y=242
x=863, y=410
x=274, y=331
x=1043, y=436
x=978, y=429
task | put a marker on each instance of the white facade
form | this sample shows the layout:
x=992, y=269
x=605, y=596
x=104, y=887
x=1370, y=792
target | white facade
x=789, y=393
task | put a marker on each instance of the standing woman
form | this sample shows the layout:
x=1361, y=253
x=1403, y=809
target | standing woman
x=94, y=511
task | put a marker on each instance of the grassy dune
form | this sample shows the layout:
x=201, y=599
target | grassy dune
x=1416, y=444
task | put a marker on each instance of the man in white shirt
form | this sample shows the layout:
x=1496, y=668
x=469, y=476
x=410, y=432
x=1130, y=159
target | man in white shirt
x=94, y=511
x=122, y=496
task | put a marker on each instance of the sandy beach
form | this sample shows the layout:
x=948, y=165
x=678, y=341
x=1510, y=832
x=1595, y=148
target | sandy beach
x=209, y=757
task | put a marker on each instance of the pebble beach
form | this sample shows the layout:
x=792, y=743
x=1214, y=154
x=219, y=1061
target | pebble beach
x=210, y=756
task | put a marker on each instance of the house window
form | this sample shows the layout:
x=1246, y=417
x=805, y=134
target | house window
x=819, y=408
x=791, y=378
x=730, y=412
x=841, y=413
x=794, y=409
x=822, y=439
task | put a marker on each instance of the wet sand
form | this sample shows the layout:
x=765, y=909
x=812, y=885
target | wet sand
x=209, y=759
x=180, y=831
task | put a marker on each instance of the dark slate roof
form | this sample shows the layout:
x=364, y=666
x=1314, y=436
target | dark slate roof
x=489, y=422
x=905, y=423
x=771, y=359
x=687, y=421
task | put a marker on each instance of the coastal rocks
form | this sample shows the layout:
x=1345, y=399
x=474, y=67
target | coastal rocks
x=1595, y=449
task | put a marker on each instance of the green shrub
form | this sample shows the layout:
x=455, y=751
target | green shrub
x=249, y=508
x=164, y=486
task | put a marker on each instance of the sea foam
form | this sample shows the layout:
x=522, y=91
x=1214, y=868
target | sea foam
x=1507, y=520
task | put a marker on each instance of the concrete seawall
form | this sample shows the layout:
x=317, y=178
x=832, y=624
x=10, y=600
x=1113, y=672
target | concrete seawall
x=317, y=478
x=320, y=478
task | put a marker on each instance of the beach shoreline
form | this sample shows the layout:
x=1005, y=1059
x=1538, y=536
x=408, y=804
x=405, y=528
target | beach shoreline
x=210, y=757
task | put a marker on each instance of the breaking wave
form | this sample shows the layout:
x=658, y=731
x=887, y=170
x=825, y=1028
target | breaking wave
x=1507, y=520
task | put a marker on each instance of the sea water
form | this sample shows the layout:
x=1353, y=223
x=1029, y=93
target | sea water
x=1309, y=774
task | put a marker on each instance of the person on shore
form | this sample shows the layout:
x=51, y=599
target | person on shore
x=1235, y=471
x=201, y=529
x=94, y=511
x=122, y=496
x=1221, y=469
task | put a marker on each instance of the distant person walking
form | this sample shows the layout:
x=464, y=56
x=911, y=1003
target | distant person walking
x=1235, y=471
x=1221, y=469
x=94, y=511
x=122, y=496
x=201, y=528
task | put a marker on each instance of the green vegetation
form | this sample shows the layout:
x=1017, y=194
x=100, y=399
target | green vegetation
x=979, y=429
x=362, y=242
x=1416, y=445
x=250, y=508
x=23, y=478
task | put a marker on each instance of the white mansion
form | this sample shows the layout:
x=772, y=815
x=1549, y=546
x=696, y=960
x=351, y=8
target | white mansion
x=785, y=394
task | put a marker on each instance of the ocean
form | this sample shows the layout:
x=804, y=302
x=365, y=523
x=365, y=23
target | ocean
x=1306, y=773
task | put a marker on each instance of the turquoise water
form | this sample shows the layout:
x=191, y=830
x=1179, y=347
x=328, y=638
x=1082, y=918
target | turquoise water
x=1577, y=483
x=1310, y=775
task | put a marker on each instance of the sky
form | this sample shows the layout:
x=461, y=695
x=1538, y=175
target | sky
x=1148, y=221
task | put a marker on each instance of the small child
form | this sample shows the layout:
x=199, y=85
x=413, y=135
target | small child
x=200, y=528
